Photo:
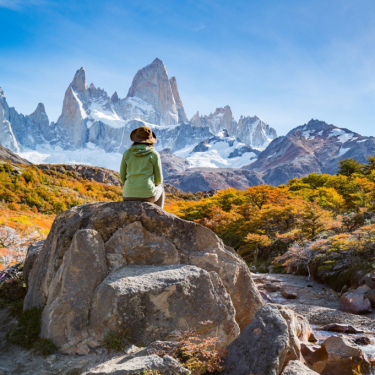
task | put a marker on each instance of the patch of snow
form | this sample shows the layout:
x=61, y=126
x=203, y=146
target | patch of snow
x=81, y=109
x=139, y=103
x=342, y=135
x=309, y=134
x=270, y=156
x=362, y=140
x=217, y=155
x=110, y=118
x=342, y=151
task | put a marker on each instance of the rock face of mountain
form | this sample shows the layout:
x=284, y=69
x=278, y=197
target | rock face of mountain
x=94, y=128
x=92, y=120
x=252, y=131
x=7, y=136
x=151, y=84
x=313, y=147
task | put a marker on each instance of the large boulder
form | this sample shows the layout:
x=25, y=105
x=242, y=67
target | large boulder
x=355, y=303
x=267, y=344
x=344, y=357
x=95, y=248
x=159, y=302
x=67, y=309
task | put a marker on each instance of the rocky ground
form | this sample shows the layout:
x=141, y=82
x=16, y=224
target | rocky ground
x=317, y=302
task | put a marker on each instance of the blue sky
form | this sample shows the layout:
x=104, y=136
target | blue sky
x=285, y=61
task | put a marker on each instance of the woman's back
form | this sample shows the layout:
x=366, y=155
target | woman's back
x=141, y=170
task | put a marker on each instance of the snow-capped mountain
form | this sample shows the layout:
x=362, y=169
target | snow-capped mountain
x=313, y=147
x=94, y=128
x=252, y=131
x=220, y=151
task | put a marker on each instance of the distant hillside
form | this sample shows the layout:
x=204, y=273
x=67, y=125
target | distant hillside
x=7, y=155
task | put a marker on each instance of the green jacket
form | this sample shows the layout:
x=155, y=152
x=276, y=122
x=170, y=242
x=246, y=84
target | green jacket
x=140, y=171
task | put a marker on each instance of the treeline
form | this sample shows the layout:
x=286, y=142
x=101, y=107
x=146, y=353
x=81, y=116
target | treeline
x=49, y=191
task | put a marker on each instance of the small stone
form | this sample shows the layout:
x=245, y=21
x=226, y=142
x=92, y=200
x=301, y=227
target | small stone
x=270, y=287
x=363, y=341
x=288, y=294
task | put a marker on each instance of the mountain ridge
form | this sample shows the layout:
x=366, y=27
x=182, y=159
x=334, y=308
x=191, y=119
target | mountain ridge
x=94, y=128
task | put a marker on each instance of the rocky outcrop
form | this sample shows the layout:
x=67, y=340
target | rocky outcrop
x=7, y=155
x=132, y=259
x=268, y=343
x=87, y=172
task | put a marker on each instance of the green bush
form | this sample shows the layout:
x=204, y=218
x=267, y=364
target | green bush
x=26, y=332
x=115, y=340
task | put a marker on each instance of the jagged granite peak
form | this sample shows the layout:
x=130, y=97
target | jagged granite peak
x=221, y=119
x=254, y=131
x=312, y=147
x=71, y=119
x=79, y=83
x=151, y=85
x=180, y=107
x=250, y=130
x=196, y=120
x=115, y=98
x=7, y=137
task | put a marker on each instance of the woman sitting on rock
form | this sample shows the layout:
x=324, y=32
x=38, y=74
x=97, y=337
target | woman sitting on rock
x=141, y=170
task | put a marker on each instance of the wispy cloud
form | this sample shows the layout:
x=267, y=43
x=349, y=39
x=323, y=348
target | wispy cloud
x=21, y=4
x=198, y=28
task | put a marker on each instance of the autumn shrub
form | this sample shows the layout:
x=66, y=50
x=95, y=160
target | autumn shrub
x=196, y=352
